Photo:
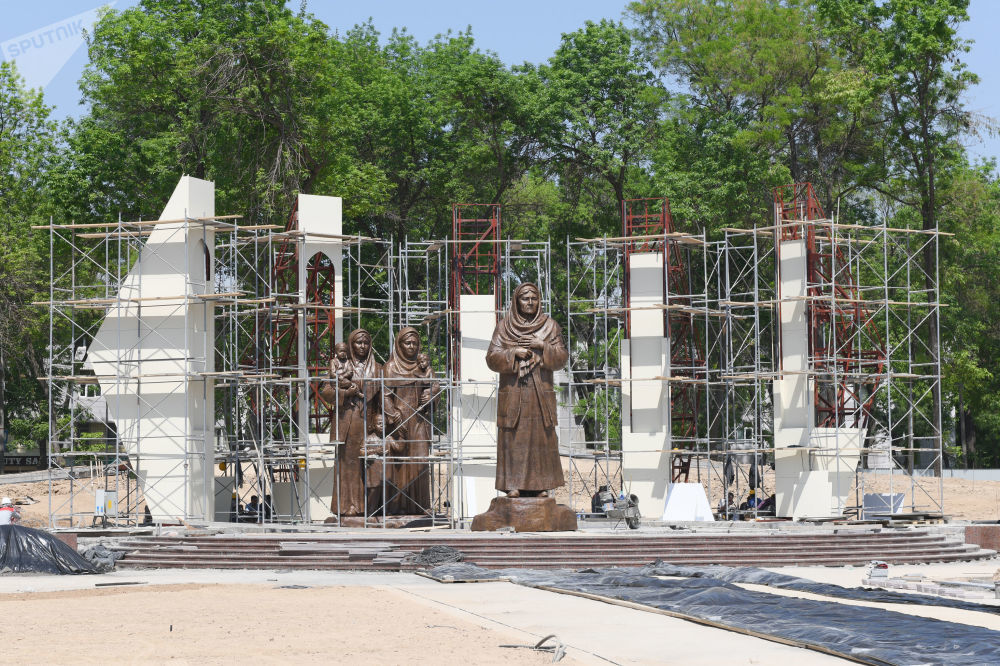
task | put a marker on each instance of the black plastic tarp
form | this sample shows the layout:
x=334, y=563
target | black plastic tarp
x=869, y=635
x=27, y=550
x=755, y=576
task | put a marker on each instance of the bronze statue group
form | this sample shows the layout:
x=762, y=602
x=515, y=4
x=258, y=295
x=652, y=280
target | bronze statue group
x=384, y=422
x=383, y=425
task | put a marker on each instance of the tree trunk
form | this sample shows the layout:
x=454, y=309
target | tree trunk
x=969, y=435
x=793, y=156
x=961, y=428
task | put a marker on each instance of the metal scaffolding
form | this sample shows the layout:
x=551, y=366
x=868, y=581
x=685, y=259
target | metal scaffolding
x=271, y=429
x=872, y=299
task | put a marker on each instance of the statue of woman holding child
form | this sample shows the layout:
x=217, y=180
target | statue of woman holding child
x=410, y=391
x=356, y=389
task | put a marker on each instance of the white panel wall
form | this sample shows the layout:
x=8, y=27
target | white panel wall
x=165, y=419
x=475, y=418
x=645, y=441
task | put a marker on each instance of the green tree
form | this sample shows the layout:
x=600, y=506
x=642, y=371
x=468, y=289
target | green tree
x=27, y=147
x=268, y=103
x=910, y=52
x=712, y=176
x=599, y=107
x=245, y=93
x=763, y=80
x=970, y=330
x=444, y=122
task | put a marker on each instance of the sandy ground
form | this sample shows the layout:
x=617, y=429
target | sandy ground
x=963, y=499
x=349, y=618
x=213, y=616
x=226, y=624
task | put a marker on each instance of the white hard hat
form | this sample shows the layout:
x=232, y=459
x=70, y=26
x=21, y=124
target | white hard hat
x=6, y=500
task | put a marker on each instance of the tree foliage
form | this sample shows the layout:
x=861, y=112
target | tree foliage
x=28, y=140
x=709, y=102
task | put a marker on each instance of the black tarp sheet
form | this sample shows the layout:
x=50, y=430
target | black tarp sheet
x=755, y=576
x=869, y=635
x=27, y=550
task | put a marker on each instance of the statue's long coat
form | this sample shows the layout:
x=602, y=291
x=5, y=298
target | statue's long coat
x=527, y=446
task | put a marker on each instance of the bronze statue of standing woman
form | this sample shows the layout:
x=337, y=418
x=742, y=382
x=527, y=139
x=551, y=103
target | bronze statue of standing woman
x=527, y=347
x=410, y=390
x=358, y=402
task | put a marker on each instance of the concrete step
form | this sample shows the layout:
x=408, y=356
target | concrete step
x=472, y=548
x=343, y=551
x=527, y=544
x=620, y=553
x=340, y=565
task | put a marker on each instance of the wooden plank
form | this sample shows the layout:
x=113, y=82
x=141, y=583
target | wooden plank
x=675, y=236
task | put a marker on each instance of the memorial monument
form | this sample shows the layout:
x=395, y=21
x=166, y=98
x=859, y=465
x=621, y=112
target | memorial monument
x=526, y=348
x=383, y=427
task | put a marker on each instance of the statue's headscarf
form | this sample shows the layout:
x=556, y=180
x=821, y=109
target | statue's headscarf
x=398, y=365
x=515, y=325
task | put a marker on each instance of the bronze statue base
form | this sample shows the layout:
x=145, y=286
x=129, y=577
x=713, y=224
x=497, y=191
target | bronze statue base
x=526, y=514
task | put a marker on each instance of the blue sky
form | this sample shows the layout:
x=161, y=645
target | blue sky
x=517, y=30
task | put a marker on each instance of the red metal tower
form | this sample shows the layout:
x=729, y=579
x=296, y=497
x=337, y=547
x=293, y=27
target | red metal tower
x=475, y=263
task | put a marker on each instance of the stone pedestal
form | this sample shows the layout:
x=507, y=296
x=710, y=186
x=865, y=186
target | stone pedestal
x=526, y=514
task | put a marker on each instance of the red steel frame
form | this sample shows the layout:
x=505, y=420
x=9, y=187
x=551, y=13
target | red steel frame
x=475, y=263
x=836, y=327
x=647, y=218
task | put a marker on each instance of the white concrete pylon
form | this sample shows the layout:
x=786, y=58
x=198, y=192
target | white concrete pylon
x=474, y=419
x=645, y=355
x=814, y=467
x=149, y=350
x=320, y=218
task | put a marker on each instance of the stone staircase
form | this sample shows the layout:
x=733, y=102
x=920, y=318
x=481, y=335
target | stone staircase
x=386, y=550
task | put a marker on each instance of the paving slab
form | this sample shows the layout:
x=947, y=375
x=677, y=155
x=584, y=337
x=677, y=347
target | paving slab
x=600, y=633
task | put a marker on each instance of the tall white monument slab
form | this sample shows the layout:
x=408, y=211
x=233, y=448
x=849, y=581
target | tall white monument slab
x=474, y=420
x=321, y=221
x=151, y=354
x=646, y=356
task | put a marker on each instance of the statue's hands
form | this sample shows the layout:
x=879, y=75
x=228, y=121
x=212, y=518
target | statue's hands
x=522, y=353
x=531, y=342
